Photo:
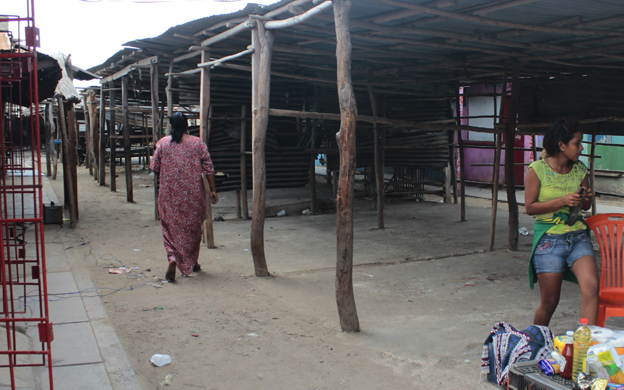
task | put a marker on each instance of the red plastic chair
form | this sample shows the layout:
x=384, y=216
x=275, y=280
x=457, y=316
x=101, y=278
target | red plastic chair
x=609, y=232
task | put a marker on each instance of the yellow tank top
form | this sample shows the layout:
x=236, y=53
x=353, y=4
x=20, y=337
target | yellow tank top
x=554, y=185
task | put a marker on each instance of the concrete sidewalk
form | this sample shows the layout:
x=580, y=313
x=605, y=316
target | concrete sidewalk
x=86, y=352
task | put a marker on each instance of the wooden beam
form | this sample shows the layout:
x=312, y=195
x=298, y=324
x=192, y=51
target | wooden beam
x=404, y=13
x=262, y=41
x=246, y=25
x=346, y=143
x=224, y=59
x=500, y=23
x=278, y=24
x=68, y=177
x=139, y=64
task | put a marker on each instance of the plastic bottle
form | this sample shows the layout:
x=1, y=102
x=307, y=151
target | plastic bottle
x=568, y=354
x=582, y=340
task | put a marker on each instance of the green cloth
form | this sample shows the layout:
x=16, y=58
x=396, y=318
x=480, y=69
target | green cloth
x=553, y=186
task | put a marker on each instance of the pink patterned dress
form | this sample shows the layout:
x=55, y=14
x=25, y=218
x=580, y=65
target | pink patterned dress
x=182, y=197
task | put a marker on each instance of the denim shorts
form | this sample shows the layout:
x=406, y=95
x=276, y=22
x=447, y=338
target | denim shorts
x=554, y=251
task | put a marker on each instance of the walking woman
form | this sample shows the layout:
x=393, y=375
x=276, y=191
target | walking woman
x=180, y=160
x=562, y=248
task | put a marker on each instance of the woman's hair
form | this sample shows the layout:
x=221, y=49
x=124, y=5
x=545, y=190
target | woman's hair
x=179, y=125
x=563, y=130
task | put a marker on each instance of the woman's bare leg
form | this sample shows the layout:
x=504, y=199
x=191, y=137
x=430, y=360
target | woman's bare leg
x=586, y=273
x=550, y=290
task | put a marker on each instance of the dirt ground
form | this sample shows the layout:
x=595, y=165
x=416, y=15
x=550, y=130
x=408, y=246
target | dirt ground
x=426, y=290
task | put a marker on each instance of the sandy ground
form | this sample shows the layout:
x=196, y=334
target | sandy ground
x=427, y=294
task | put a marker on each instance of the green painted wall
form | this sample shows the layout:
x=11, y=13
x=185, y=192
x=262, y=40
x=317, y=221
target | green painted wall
x=612, y=156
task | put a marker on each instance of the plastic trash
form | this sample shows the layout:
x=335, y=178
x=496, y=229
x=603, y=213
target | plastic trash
x=523, y=231
x=281, y=213
x=160, y=360
x=306, y=212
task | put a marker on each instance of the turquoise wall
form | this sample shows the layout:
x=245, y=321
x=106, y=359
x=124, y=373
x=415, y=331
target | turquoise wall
x=611, y=155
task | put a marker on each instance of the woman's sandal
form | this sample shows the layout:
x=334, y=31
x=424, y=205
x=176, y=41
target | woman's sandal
x=196, y=268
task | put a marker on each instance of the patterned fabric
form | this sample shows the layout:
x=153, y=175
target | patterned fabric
x=182, y=197
x=554, y=185
x=511, y=345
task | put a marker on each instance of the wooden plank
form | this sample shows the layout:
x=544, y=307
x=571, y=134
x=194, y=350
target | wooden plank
x=345, y=300
x=72, y=169
x=139, y=64
x=462, y=162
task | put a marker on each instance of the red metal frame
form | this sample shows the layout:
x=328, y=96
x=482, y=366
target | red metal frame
x=23, y=280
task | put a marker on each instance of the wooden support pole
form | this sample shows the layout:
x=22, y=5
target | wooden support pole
x=126, y=139
x=312, y=177
x=169, y=90
x=262, y=41
x=497, y=156
x=510, y=179
x=48, y=139
x=156, y=126
x=345, y=299
x=379, y=161
x=86, y=113
x=238, y=205
x=94, y=149
x=204, y=130
x=54, y=131
x=592, y=168
x=462, y=163
x=111, y=141
x=72, y=164
x=243, y=164
x=68, y=185
x=102, y=149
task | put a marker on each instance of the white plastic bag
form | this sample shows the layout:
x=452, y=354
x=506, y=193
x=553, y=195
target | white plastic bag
x=160, y=360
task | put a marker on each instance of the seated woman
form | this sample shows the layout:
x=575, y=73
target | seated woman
x=561, y=250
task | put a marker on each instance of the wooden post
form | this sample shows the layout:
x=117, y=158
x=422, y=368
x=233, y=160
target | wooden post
x=102, y=140
x=262, y=41
x=497, y=155
x=592, y=167
x=243, y=164
x=239, y=215
x=204, y=128
x=169, y=90
x=53, y=136
x=155, y=126
x=379, y=161
x=72, y=134
x=462, y=163
x=126, y=139
x=111, y=139
x=86, y=113
x=69, y=194
x=453, y=163
x=48, y=139
x=510, y=179
x=94, y=149
x=346, y=143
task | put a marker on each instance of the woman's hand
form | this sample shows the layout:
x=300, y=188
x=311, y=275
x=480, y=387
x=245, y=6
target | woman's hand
x=214, y=198
x=572, y=200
